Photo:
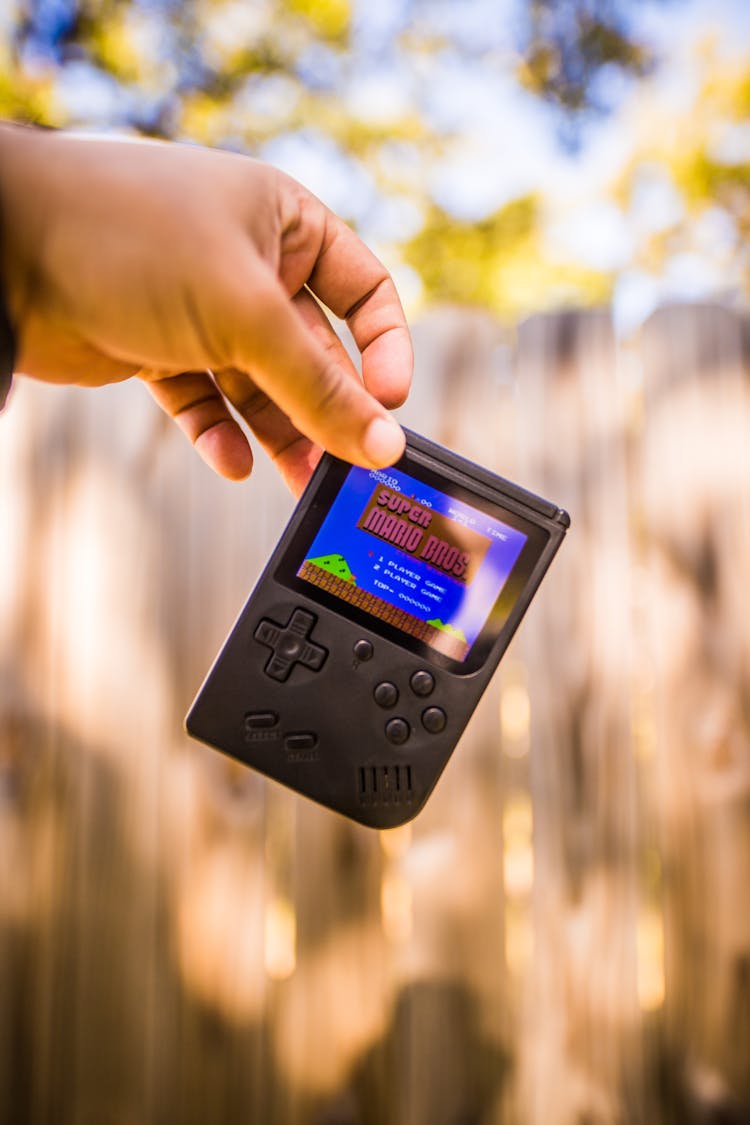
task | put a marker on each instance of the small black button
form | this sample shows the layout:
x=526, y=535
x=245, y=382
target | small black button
x=363, y=649
x=261, y=720
x=434, y=720
x=397, y=731
x=386, y=694
x=301, y=740
x=422, y=682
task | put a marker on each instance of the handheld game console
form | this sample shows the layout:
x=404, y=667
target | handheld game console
x=375, y=627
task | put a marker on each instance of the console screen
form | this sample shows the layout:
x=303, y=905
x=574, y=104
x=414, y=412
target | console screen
x=413, y=556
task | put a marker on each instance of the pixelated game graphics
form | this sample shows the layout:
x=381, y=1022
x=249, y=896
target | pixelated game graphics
x=414, y=557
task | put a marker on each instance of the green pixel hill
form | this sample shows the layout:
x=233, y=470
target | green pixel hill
x=438, y=624
x=334, y=564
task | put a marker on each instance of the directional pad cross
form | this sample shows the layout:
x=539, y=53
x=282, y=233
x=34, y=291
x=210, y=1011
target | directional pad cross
x=289, y=644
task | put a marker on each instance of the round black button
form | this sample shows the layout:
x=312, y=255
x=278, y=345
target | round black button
x=397, y=731
x=386, y=694
x=363, y=650
x=290, y=645
x=422, y=683
x=434, y=719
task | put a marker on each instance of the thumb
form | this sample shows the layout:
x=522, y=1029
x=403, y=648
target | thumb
x=318, y=388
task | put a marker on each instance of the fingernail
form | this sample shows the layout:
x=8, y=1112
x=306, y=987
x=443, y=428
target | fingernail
x=383, y=442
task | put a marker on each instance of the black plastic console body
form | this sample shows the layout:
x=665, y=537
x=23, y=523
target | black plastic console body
x=380, y=618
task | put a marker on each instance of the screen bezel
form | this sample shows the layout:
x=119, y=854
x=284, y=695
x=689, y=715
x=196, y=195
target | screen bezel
x=325, y=493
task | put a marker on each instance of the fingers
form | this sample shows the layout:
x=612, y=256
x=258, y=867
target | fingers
x=309, y=382
x=198, y=404
x=355, y=285
x=194, y=402
x=294, y=454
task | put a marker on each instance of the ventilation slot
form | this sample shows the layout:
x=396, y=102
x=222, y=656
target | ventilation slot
x=384, y=785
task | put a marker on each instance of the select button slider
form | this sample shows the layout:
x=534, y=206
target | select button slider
x=261, y=720
x=301, y=740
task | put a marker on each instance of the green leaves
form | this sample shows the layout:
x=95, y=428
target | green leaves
x=499, y=263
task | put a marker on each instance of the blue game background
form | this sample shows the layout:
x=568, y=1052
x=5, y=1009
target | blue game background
x=463, y=606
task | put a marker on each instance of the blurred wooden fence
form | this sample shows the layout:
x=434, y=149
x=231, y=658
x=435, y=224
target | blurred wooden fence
x=562, y=937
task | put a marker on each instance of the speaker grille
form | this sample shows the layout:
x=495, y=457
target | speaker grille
x=385, y=785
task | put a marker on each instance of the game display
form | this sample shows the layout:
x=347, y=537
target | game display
x=414, y=557
x=373, y=631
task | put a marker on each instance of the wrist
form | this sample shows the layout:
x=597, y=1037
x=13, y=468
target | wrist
x=7, y=332
x=7, y=345
x=23, y=203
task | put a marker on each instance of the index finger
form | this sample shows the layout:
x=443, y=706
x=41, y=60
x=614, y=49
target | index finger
x=355, y=285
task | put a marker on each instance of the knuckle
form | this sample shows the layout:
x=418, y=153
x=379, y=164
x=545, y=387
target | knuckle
x=332, y=390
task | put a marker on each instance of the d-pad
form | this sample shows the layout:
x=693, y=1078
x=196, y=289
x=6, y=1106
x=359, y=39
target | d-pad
x=289, y=644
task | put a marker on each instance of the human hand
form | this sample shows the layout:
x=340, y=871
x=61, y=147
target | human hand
x=195, y=270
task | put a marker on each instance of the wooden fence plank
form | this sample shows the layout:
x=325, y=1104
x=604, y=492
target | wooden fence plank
x=562, y=935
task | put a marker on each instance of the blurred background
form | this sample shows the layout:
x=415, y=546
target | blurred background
x=562, y=191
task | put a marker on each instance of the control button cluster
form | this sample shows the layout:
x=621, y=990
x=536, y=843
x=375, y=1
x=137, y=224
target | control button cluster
x=290, y=645
x=386, y=694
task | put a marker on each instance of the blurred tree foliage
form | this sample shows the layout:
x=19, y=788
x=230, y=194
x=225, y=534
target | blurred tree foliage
x=569, y=44
x=698, y=163
x=244, y=73
x=499, y=262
